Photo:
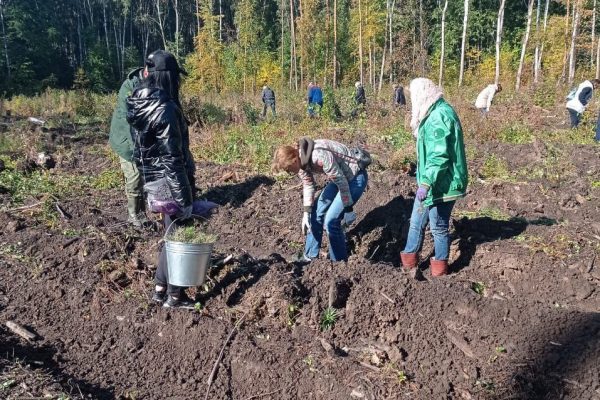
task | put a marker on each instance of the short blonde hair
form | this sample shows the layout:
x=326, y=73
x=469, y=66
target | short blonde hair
x=285, y=158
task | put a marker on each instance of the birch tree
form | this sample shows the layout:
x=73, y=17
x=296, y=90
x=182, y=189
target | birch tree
x=593, y=35
x=573, y=49
x=500, y=24
x=334, y=43
x=538, y=62
x=443, y=43
x=463, y=44
x=524, y=47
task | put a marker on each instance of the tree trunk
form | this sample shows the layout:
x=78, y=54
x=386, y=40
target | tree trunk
x=197, y=17
x=463, y=45
x=384, y=49
x=334, y=44
x=161, y=24
x=391, y=41
x=536, y=54
x=566, y=44
x=106, y=28
x=422, y=54
x=4, y=39
x=327, y=41
x=538, y=69
x=524, y=47
x=360, y=41
x=221, y=21
x=293, y=63
x=443, y=48
x=499, y=39
x=176, y=7
x=593, y=35
x=573, y=50
x=282, y=42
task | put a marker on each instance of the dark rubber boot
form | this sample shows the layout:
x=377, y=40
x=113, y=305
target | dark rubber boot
x=438, y=267
x=409, y=260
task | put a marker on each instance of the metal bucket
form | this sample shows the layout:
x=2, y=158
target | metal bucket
x=187, y=263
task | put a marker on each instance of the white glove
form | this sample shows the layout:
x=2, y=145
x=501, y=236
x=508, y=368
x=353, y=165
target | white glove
x=186, y=212
x=349, y=218
x=305, y=222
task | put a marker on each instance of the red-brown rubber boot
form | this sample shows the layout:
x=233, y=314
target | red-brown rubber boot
x=409, y=260
x=438, y=267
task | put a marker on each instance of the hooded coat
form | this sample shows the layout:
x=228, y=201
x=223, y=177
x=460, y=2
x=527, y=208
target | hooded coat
x=120, y=137
x=485, y=97
x=441, y=161
x=160, y=134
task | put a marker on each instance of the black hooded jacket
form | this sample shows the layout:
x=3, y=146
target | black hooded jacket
x=161, y=142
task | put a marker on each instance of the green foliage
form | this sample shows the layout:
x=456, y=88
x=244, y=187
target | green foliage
x=108, y=179
x=39, y=183
x=328, y=318
x=331, y=109
x=206, y=113
x=495, y=167
x=251, y=113
x=478, y=287
x=192, y=235
x=516, y=134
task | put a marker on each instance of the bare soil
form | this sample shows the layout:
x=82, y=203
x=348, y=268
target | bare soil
x=516, y=319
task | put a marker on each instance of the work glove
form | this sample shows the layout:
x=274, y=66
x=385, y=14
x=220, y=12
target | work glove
x=305, y=222
x=349, y=218
x=422, y=193
x=186, y=212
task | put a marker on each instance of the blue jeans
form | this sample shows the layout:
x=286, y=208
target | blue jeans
x=597, y=138
x=439, y=216
x=328, y=215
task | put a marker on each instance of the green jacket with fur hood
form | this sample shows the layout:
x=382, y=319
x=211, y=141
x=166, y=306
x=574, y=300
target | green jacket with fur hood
x=120, y=134
x=441, y=161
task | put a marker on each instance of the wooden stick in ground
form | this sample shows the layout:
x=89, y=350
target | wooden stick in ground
x=213, y=373
x=21, y=331
x=23, y=207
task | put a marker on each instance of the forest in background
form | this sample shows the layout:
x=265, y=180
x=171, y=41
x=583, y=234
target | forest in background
x=238, y=45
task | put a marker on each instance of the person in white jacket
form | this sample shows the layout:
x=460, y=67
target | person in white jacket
x=578, y=100
x=484, y=99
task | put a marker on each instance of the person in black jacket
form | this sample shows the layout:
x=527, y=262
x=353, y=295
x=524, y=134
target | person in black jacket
x=399, y=99
x=161, y=151
x=268, y=99
x=360, y=100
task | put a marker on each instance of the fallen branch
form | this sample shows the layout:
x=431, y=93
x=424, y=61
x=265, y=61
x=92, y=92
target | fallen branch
x=213, y=373
x=388, y=298
x=62, y=212
x=20, y=330
x=461, y=344
x=23, y=207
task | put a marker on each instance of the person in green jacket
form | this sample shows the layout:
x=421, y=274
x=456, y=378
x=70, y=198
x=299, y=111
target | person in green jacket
x=122, y=144
x=442, y=175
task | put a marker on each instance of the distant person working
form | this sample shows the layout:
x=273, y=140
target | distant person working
x=399, y=98
x=268, y=99
x=485, y=97
x=314, y=98
x=578, y=100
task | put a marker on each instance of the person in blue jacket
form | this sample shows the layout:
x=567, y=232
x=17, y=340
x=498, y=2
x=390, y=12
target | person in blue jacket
x=314, y=98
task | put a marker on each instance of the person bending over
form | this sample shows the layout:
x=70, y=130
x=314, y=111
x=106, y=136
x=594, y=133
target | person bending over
x=345, y=169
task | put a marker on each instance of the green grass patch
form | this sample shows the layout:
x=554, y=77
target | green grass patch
x=516, y=134
x=22, y=186
x=192, y=235
x=108, y=179
x=486, y=212
x=495, y=167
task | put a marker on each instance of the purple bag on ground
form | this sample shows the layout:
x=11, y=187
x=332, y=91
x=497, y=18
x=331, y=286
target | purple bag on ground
x=201, y=208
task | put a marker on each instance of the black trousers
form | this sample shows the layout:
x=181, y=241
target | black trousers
x=161, y=277
x=575, y=117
